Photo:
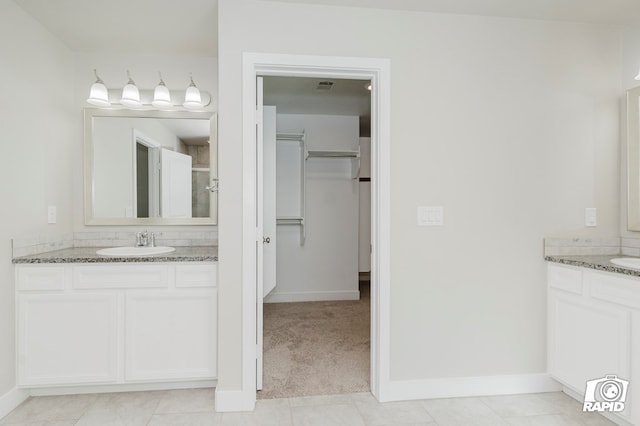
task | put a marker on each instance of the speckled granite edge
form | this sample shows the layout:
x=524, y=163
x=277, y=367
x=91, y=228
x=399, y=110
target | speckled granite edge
x=88, y=255
x=597, y=262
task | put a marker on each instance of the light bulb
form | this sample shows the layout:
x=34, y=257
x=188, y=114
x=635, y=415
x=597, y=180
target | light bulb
x=161, y=95
x=98, y=95
x=130, y=94
x=192, y=98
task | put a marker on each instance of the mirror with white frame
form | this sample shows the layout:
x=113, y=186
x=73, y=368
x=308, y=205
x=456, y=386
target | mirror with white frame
x=150, y=167
x=633, y=159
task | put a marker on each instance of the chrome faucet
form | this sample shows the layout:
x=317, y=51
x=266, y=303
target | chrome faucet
x=146, y=238
x=142, y=239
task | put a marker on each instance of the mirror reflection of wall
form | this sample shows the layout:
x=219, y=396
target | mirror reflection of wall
x=127, y=167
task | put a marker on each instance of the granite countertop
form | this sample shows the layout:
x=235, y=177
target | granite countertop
x=598, y=262
x=88, y=255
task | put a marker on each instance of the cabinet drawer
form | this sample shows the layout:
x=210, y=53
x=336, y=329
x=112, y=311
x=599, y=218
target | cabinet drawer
x=198, y=275
x=565, y=278
x=615, y=288
x=40, y=278
x=120, y=276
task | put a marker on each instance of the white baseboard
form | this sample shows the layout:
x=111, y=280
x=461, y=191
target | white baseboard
x=404, y=390
x=10, y=400
x=312, y=296
x=129, y=387
x=229, y=401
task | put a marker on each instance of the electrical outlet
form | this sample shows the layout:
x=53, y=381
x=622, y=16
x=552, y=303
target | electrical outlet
x=52, y=214
x=590, y=217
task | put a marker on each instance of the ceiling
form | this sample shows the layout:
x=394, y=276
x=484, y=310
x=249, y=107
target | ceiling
x=300, y=95
x=190, y=131
x=170, y=27
x=617, y=12
x=188, y=27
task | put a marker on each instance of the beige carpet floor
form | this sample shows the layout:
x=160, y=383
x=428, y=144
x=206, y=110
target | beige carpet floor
x=316, y=348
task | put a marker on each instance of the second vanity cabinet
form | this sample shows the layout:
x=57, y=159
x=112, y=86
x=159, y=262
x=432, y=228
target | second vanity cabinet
x=594, y=330
x=116, y=323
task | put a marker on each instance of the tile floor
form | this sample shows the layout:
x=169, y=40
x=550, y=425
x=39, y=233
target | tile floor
x=195, y=407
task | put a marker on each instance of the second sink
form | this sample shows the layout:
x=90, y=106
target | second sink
x=135, y=251
x=627, y=262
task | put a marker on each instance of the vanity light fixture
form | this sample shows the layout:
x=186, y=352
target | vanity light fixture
x=130, y=94
x=159, y=98
x=161, y=95
x=98, y=95
x=637, y=77
x=192, y=98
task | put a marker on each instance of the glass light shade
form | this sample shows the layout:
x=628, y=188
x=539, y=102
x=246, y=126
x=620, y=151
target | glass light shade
x=161, y=97
x=130, y=96
x=192, y=98
x=99, y=95
x=637, y=77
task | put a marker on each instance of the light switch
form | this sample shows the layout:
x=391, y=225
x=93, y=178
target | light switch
x=430, y=216
x=52, y=214
x=590, y=217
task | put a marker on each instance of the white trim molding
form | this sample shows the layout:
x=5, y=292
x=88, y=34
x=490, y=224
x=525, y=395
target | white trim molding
x=124, y=387
x=233, y=400
x=458, y=387
x=10, y=400
x=312, y=296
x=376, y=70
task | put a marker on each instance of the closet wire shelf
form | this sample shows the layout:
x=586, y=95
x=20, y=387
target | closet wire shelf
x=296, y=219
x=353, y=155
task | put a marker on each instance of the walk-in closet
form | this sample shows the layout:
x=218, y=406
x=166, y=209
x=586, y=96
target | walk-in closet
x=317, y=317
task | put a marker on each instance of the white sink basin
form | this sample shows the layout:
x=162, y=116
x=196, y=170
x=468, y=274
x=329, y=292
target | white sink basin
x=135, y=251
x=627, y=262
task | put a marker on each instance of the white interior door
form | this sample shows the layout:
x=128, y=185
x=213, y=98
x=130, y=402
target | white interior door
x=269, y=198
x=175, y=184
x=265, y=214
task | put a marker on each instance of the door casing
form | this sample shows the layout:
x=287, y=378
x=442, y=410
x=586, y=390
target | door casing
x=378, y=71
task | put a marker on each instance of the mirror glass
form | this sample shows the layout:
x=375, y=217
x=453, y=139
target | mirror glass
x=633, y=159
x=150, y=168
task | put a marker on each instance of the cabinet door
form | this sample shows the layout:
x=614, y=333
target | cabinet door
x=67, y=338
x=587, y=340
x=170, y=335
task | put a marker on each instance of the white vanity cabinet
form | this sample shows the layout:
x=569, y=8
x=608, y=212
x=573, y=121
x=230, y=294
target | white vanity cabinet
x=116, y=323
x=594, y=329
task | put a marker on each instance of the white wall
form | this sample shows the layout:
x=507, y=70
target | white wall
x=511, y=125
x=144, y=69
x=326, y=266
x=113, y=165
x=36, y=118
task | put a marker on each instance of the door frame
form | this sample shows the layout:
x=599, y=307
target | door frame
x=154, y=181
x=378, y=71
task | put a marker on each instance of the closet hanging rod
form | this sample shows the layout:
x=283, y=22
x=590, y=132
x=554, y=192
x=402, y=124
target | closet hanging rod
x=333, y=154
x=290, y=136
x=289, y=220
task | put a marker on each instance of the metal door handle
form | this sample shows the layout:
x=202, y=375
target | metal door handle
x=266, y=240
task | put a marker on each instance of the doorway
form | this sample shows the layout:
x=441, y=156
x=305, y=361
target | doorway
x=146, y=172
x=377, y=71
x=316, y=162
